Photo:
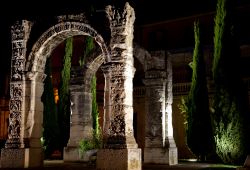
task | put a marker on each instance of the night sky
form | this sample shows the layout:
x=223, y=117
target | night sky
x=146, y=12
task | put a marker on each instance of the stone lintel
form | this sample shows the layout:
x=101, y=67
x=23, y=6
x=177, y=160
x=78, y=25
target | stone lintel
x=161, y=156
x=119, y=159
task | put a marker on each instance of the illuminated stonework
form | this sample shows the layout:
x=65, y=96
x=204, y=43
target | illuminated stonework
x=117, y=63
x=118, y=132
x=160, y=146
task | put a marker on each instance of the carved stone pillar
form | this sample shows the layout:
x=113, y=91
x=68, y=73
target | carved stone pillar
x=13, y=155
x=81, y=114
x=159, y=142
x=119, y=132
x=120, y=148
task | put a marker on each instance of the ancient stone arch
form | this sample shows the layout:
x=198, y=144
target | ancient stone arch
x=26, y=86
x=23, y=147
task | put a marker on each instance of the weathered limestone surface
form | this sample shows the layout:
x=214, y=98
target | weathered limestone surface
x=119, y=159
x=25, y=100
x=12, y=158
x=120, y=148
x=21, y=157
x=159, y=142
x=26, y=88
x=81, y=119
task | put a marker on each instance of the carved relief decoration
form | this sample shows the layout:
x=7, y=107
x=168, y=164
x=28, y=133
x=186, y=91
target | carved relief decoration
x=116, y=130
x=77, y=18
x=117, y=95
x=121, y=26
x=16, y=99
x=57, y=34
x=120, y=17
x=19, y=33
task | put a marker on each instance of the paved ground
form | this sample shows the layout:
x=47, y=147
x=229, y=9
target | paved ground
x=60, y=165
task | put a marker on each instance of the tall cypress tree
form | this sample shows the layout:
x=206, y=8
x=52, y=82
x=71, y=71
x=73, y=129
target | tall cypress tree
x=229, y=103
x=50, y=122
x=64, y=96
x=199, y=129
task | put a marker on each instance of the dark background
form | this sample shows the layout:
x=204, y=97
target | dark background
x=146, y=12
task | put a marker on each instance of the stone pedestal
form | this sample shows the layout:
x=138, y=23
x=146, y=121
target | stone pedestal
x=119, y=159
x=161, y=156
x=12, y=158
x=71, y=154
x=21, y=157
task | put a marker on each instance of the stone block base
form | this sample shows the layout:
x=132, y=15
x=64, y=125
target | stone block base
x=12, y=158
x=72, y=154
x=161, y=156
x=119, y=159
x=21, y=158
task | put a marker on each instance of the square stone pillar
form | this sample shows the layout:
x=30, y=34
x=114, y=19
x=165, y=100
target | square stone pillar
x=120, y=150
x=160, y=146
x=80, y=124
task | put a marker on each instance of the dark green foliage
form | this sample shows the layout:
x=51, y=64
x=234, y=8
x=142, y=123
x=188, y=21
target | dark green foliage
x=89, y=42
x=199, y=129
x=230, y=101
x=64, y=96
x=50, y=122
x=95, y=111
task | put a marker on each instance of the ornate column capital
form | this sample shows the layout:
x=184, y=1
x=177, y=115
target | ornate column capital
x=120, y=18
x=21, y=30
x=122, y=28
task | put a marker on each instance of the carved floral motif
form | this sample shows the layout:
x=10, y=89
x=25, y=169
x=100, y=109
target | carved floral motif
x=16, y=100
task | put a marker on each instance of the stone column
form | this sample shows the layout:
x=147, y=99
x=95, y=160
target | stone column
x=81, y=114
x=33, y=119
x=169, y=140
x=13, y=155
x=120, y=148
x=160, y=146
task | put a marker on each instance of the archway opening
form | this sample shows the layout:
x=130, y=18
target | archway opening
x=59, y=128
